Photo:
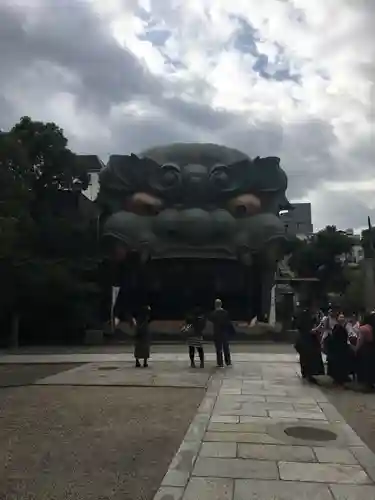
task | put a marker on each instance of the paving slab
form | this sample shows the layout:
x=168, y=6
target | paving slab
x=246, y=410
x=219, y=450
x=291, y=400
x=197, y=428
x=323, y=473
x=263, y=392
x=349, y=492
x=276, y=452
x=209, y=489
x=240, y=398
x=235, y=468
x=366, y=458
x=242, y=437
x=238, y=427
x=185, y=457
x=207, y=405
x=297, y=415
x=335, y=456
x=231, y=390
x=253, y=407
x=280, y=490
x=331, y=412
x=169, y=493
x=176, y=478
x=225, y=419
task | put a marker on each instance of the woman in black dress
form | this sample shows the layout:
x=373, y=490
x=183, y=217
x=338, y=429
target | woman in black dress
x=308, y=346
x=142, y=337
x=340, y=355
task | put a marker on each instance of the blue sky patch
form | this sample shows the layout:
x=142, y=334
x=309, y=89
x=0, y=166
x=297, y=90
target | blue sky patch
x=246, y=41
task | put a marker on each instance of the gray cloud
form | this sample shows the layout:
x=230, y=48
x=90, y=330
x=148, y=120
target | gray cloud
x=65, y=47
x=70, y=35
x=345, y=209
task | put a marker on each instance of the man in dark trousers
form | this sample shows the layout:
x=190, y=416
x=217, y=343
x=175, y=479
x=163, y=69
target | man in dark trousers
x=222, y=328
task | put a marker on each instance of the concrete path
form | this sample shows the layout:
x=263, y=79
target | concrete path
x=128, y=357
x=262, y=434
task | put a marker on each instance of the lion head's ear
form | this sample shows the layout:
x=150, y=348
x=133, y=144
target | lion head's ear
x=266, y=175
x=230, y=178
x=126, y=173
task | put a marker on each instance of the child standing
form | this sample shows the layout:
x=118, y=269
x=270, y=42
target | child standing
x=194, y=325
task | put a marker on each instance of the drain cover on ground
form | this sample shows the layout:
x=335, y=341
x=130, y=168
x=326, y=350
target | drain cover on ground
x=108, y=368
x=310, y=433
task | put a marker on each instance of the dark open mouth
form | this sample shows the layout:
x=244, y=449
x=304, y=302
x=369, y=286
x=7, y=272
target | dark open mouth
x=200, y=253
x=174, y=277
x=120, y=248
x=173, y=286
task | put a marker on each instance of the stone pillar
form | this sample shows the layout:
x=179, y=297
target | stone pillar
x=272, y=313
x=115, y=292
x=267, y=285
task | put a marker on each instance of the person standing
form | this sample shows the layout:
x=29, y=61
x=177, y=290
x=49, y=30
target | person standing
x=142, y=337
x=365, y=353
x=339, y=352
x=325, y=327
x=308, y=346
x=194, y=325
x=222, y=327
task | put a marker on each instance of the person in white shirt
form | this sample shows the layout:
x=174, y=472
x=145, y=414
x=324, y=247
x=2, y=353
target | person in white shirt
x=326, y=326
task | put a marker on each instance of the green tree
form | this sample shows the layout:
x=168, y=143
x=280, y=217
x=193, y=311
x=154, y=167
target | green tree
x=353, y=297
x=323, y=257
x=46, y=247
x=368, y=240
x=51, y=165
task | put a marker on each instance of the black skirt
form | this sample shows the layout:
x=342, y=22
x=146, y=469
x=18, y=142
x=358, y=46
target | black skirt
x=310, y=355
x=142, y=343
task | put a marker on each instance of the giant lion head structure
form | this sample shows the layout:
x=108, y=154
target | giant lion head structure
x=196, y=207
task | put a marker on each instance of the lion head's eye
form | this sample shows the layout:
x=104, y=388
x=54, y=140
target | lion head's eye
x=244, y=205
x=144, y=204
x=170, y=175
x=219, y=176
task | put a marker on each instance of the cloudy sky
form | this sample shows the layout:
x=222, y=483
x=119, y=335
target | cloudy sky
x=288, y=78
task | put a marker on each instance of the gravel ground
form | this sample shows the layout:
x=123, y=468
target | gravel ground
x=70, y=443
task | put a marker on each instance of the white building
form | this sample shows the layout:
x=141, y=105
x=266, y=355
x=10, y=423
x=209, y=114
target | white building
x=298, y=221
x=93, y=166
x=357, y=253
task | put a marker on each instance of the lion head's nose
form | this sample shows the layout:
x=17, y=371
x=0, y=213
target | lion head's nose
x=195, y=225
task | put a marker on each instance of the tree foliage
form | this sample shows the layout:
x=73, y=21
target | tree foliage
x=50, y=166
x=48, y=250
x=352, y=300
x=322, y=257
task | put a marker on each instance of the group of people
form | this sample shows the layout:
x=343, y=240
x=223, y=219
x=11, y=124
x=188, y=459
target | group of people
x=348, y=344
x=192, y=330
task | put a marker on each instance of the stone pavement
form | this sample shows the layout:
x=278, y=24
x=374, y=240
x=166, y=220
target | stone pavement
x=123, y=373
x=128, y=357
x=262, y=434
